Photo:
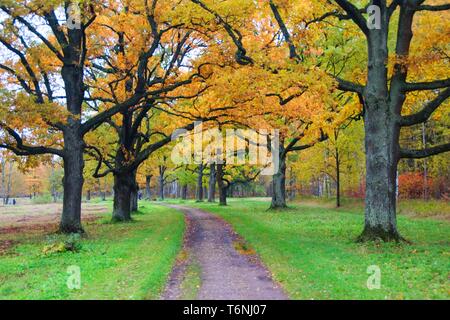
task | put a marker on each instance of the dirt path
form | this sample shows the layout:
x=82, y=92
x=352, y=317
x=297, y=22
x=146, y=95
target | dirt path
x=224, y=273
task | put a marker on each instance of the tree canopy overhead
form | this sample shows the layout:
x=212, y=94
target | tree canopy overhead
x=109, y=82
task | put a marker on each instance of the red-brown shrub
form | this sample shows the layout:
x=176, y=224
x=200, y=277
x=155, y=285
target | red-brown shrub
x=411, y=185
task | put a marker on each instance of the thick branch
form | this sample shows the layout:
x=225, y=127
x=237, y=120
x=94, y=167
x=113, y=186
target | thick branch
x=438, y=84
x=441, y=7
x=236, y=37
x=424, y=153
x=292, y=50
x=355, y=14
x=24, y=150
x=426, y=112
x=349, y=86
x=35, y=32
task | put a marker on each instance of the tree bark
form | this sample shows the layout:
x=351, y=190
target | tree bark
x=279, y=185
x=221, y=185
x=73, y=77
x=381, y=142
x=73, y=183
x=148, y=192
x=88, y=195
x=123, y=185
x=200, y=183
x=212, y=183
x=381, y=173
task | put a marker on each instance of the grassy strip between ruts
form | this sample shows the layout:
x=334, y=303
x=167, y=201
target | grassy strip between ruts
x=116, y=261
x=191, y=281
x=312, y=253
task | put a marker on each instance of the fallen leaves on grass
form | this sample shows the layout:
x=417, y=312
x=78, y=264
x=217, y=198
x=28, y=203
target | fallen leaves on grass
x=243, y=248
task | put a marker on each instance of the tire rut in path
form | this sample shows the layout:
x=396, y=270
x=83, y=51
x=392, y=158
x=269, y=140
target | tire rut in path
x=225, y=273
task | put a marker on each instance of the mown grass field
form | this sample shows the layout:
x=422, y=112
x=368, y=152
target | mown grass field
x=116, y=261
x=309, y=249
x=312, y=253
x=414, y=208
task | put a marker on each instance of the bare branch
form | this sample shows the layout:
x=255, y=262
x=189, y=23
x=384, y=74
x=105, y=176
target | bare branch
x=424, y=153
x=426, y=112
x=236, y=37
x=349, y=86
x=292, y=49
x=21, y=149
x=355, y=14
x=438, y=84
x=441, y=7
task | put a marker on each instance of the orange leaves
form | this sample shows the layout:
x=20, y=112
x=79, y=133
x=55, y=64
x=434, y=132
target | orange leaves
x=412, y=185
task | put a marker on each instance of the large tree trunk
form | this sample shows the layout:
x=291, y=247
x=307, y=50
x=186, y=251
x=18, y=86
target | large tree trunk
x=123, y=185
x=148, y=192
x=200, y=183
x=381, y=143
x=73, y=77
x=221, y=185
x=279, y=185
x=212, y=183
x=73, y=184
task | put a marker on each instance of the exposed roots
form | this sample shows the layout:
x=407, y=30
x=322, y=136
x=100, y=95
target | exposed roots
x=120, y=219
x=278, y=207
x=70, y=229
x=378, y=234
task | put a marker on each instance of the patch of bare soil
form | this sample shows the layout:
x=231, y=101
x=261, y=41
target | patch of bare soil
x=22, y=221
x=230, y=270
x=5, y=245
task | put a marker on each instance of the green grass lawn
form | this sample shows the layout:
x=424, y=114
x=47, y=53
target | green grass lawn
x=312, y=253
x=416, y=208
x=116, y=261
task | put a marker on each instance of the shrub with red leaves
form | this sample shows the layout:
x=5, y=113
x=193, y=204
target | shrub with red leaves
x=411, y=185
